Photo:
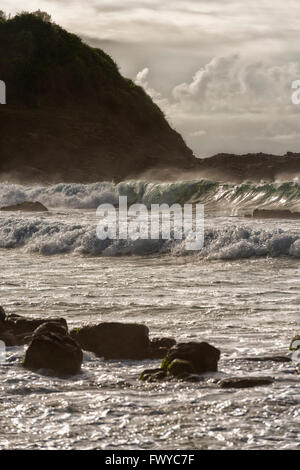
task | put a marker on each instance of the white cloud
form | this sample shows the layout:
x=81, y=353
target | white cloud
x=142, y=80
x=198, y=133
x=242, y=105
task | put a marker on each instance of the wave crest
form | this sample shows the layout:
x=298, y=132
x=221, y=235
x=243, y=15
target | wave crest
x=230, y=242
x=226, y=198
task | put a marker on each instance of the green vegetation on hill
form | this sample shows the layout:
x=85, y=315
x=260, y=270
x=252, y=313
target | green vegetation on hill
x=44, y=64
x=68, y=101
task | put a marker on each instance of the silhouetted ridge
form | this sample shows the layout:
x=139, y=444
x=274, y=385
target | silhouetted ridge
x=71, y=115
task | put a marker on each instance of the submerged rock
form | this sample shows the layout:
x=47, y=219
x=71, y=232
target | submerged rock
x=151, y=375
x=27, y=206
x=266, y=359
x=202, y=356
x=245, y=382
x=54, y=351
x=114, y=340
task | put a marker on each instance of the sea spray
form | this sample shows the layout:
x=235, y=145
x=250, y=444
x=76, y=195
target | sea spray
x=223, y=197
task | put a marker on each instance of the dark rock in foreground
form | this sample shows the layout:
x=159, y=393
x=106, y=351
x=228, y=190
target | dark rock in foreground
x=114, y=340
x=245, y=382
x=8, y=338
x=180, y=368
x=202, y=356
x=51, y=327
x=54, y=351
x=27, y=206
x=21, y=325
x=18, y=330
x=184, y=361
x=2, y=315
x=159, y=347
x=153, y=375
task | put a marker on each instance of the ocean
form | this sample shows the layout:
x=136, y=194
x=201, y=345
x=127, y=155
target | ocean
x=240, y=293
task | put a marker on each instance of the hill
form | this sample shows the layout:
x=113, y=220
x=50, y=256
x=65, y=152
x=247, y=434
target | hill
x=70, y=114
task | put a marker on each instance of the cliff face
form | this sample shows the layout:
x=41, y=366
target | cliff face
x=71, y=116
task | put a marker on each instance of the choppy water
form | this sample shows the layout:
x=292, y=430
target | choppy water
x=241, y=294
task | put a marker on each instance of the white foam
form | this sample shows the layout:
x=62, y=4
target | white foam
x=49, y=237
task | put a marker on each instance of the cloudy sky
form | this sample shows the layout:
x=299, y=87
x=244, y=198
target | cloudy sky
x=220, y=69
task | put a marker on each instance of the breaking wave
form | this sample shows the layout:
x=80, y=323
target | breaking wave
x=230, y=242
x=227, y=198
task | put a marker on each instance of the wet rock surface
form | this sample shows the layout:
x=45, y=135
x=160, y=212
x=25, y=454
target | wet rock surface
x=114, y=340
x=245, y=382
x=2, y=315
x=159, y=347
x=51, y=327
x=266, y=359
x=49, y=350
x=185, y=361
x=52, y=347
x=180, y=368
x=18, y=329
x=203, y=356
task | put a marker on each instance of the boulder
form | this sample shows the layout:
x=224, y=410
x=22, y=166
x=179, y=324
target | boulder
x=54, y=351
x=114, y=340
x=149, y=374
x=27, y=206
x=245, y=382
x=164, y=342
x=180, y=368
x=202, y=356
x=8, y=338
x=2, y=315
x=159, y=347
x=53, y=327
x=22, y=328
